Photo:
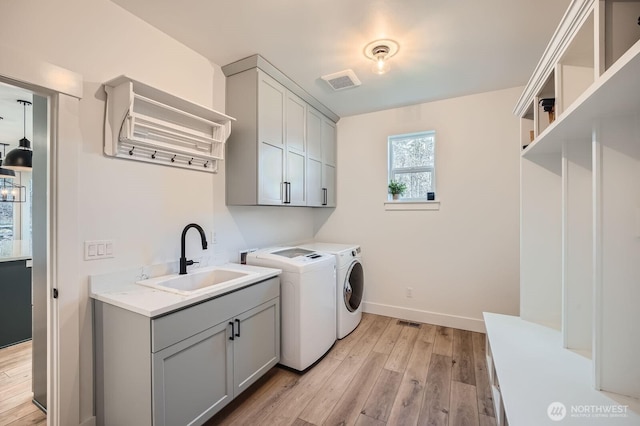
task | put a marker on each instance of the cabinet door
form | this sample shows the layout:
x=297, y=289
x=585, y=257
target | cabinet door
x=295, y=123
x=271, y=140
x=315, y=193
x=192, y=380
x=328, y=142
x=15, y=302
x=296, y=178
x=329, y=162
x=329, y=185
x=256, y=343
x=314, y=134
x=296, y=156
x=271, y=180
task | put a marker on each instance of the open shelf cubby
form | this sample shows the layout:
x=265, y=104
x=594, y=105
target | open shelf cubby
x=579, y=225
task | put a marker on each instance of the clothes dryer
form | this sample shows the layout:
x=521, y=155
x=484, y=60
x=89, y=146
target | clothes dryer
x=349, y=283
x=307, y=300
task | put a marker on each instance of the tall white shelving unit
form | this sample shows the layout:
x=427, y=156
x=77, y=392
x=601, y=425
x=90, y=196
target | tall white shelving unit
x=579, y=228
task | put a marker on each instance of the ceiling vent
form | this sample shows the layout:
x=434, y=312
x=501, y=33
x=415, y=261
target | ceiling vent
x=342, y=80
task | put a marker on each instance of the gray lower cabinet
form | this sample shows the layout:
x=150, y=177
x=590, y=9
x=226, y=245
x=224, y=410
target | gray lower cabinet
x=182, y=368
x=15, y=302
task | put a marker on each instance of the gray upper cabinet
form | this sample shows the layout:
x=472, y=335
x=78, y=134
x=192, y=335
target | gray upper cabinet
x=281, y=144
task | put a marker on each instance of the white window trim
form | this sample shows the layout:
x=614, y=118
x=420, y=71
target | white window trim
x=400, y=205
x=391, y=172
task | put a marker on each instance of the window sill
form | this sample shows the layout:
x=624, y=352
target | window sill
x=412, y=205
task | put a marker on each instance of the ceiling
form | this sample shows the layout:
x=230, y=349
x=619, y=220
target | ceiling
x=447, y=48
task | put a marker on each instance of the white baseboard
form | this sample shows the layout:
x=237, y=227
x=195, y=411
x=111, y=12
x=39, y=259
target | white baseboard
x=91, y=421
x=445, y=320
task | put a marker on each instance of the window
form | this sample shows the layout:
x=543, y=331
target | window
x=412, y=162
x=6, y=221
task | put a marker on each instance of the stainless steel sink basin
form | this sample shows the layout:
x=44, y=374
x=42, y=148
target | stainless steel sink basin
x=198, y=281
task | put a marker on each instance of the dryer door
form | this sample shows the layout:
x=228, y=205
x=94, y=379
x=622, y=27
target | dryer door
x=353, y=286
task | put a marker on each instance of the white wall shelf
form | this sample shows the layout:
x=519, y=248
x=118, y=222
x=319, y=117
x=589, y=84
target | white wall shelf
x=411, y=205
x=147, y=124
x=613, y=95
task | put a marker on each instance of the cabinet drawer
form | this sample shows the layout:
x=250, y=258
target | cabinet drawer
x=174, y=327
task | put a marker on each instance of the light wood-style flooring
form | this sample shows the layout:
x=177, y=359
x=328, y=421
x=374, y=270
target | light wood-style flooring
x=16, y=407
x=384, y=373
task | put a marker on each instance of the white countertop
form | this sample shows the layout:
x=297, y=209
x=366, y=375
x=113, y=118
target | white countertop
x=15, y=250
x=120, y=289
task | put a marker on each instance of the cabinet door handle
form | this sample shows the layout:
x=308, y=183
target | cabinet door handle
x=284, y=192
x=324, y=196
x=287, y=193
x=238, y=333
x=232, y=331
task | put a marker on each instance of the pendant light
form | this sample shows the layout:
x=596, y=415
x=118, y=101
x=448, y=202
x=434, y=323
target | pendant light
x=20, y=159
x=5, y=173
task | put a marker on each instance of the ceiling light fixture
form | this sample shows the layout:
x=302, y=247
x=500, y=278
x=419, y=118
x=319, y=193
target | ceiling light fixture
x=5, y=173
x=20, y=159
x=380, y=51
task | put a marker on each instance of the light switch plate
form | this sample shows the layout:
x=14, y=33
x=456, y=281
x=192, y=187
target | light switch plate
x=98, y=249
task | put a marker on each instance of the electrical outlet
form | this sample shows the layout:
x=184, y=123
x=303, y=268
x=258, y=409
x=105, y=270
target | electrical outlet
x=242, y=255
x=409, y=292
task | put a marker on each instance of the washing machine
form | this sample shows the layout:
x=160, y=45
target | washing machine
x=307, y=302
x=349, y=283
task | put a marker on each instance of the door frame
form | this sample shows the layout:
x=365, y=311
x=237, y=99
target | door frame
x=63, y=89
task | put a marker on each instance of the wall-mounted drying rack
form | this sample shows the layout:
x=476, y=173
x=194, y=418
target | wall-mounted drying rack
x=146, y=124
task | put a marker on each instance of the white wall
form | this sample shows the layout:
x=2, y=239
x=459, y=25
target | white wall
x=142, y=207
x=461, y=260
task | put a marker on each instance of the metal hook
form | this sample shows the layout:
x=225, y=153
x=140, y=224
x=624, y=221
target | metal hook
x=131, y=151
x=154, y=155
x=173, y=159
x=206, y=164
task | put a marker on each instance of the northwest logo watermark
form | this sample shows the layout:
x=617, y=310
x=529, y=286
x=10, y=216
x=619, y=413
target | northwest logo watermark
x=557, y=411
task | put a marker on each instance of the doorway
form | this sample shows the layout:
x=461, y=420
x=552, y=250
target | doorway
x=24, y=257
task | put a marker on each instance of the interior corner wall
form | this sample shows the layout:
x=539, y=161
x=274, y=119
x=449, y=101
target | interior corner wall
x=142, y=207
x=460, y=260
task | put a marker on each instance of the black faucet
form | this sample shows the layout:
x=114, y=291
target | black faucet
x=183, y=259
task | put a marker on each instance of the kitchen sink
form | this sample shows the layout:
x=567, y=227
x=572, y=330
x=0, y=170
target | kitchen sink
x=198, y=281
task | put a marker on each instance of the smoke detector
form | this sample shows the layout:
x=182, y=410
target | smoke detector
x=342, y=80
